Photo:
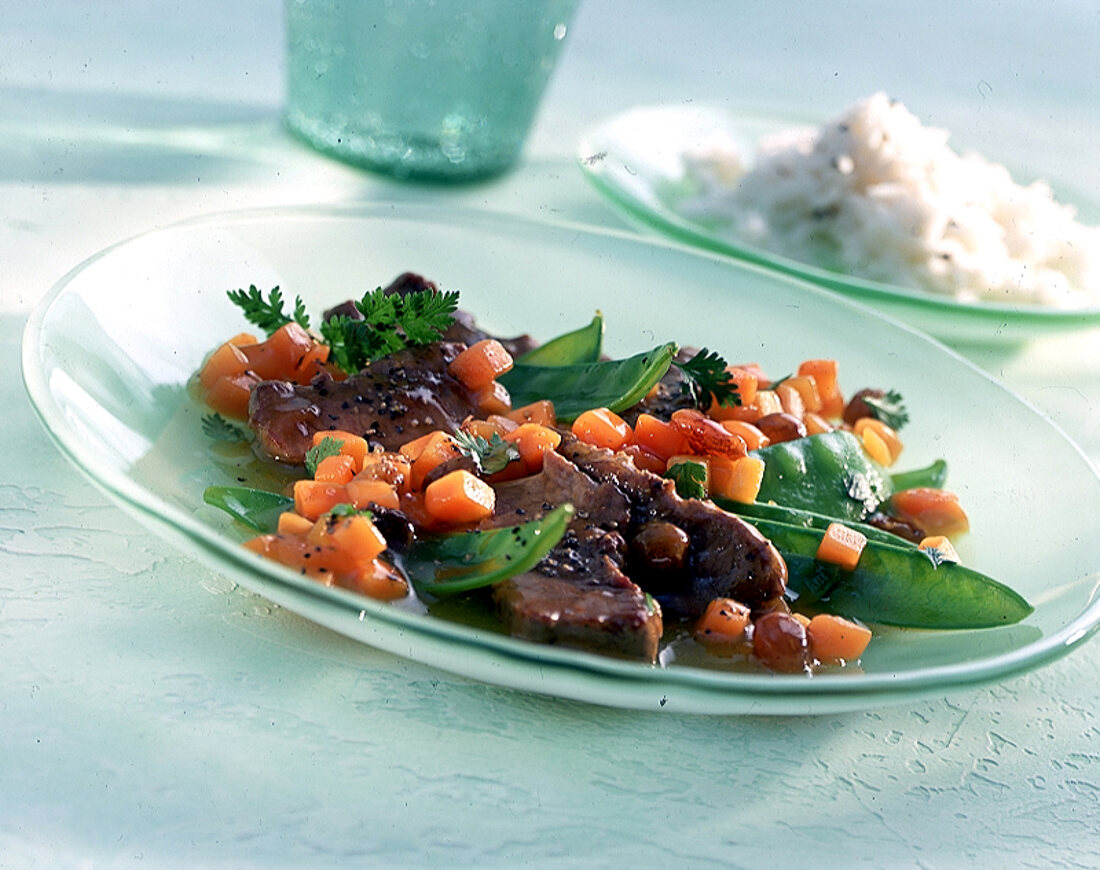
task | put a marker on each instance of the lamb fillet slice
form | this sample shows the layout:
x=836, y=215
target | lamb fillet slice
x=726, y=557
x=392, y=401
x=578, y=596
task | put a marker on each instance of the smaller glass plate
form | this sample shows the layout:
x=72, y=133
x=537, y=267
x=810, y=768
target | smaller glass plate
x=634, y=161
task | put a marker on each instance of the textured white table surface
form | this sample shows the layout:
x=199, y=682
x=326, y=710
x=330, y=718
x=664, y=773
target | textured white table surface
x=152, y=714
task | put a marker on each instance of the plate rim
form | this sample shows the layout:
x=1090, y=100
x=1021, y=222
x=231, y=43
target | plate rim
x=855, y=690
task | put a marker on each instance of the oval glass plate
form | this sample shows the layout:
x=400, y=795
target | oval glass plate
x=634, y=160
x=109, y=352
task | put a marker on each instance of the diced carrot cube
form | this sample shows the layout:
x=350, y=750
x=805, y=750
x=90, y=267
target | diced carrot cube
x=364, y=494
x=505, y=423
x=658, y=437
x=440, y=448
x=875, y=447
x=541, y=411
x=737, y=479
x=824, y=373
x=841, y=545
x=390, y=468
x=934, y=511
x=335, y=469
x=481, y=363
x=945, y=550
x=723, y=623
x=382, y=582
x=459, y=498
x=751, y=435
x=835, y=639
x=411, y=450
x=493, y=398
x=226, y=360
x=886, y=434
x=602, y=428
x=352, y=445
x=816, y=424
x=291, y=523
x=229, y=395
x=790, y=400
x=767, y=402
x=313, y=498
x=645, y=459
x=533, y=440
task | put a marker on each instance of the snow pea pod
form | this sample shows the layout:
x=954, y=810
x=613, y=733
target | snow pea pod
x=574, y=389
x=464, y=561
x=894, y=585
x=256, y=508
x=442, y=565
x=582, y=345
x=934, y=475
x=829, y=474
x=808, y=520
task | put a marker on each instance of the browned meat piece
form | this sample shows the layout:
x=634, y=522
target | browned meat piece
x=726, y=557
x=578, y=595
x=464, y=329
x=392, y=401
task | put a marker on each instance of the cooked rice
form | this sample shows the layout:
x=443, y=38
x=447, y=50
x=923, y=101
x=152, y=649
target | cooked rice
x=877, y=195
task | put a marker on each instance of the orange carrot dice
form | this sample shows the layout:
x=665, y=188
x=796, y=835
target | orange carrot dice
x=602, y=428
x=459, y=498
x=841, y=545
x=481, y=363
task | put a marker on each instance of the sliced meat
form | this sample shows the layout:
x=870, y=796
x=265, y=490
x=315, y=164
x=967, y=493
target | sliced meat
x=578, y=596
x=392, y=401
x=726, y=557
x=464, y=329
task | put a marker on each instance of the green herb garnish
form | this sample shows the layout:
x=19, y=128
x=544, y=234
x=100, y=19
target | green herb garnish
x=267, y=314
x=391, y=322
x=328, y=446
x=690, y=479
x=890, y=409
x=707, y=377
x=489, y=455
x=216, y=427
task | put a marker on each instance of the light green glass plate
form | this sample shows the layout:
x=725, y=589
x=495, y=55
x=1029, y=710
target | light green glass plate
x=108, y=354
x=634, y=161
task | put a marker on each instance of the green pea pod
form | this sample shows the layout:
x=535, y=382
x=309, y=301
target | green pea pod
x=443, y=565
x=934, y=475
x=582, y=345
x=894, y=585
x=464, y=561
x=829, y=474
x=807, y=520
x=256, y=508
x=574, y=389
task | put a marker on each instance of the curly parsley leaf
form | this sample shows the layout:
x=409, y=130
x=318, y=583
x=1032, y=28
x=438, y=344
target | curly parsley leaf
x=328, y=446
x=390, y=322
x=267, y=314
x=489, y=455
x=216, y=427
x=890, y=409
x=707, y=377
x=690, y=479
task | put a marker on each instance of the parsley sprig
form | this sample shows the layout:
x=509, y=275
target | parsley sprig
x=267, y=314
x=328, y=446
x=391, y=322
x=890, y=409
x=707, y=377
x=217, y=428
x=690, y=479
x=489, y=455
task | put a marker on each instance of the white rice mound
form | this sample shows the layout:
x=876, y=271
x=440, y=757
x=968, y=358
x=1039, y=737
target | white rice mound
x=877, y=195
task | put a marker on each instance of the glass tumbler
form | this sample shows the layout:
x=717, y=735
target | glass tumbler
x=443, y=90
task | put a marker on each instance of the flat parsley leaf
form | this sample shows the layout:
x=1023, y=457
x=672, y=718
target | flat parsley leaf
x=215, y=426
x=489, y=455
x=890, y=409
x=690, y=479
x=328, y=446
x=390, y=322
x=707, y=377
x=267, y=314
